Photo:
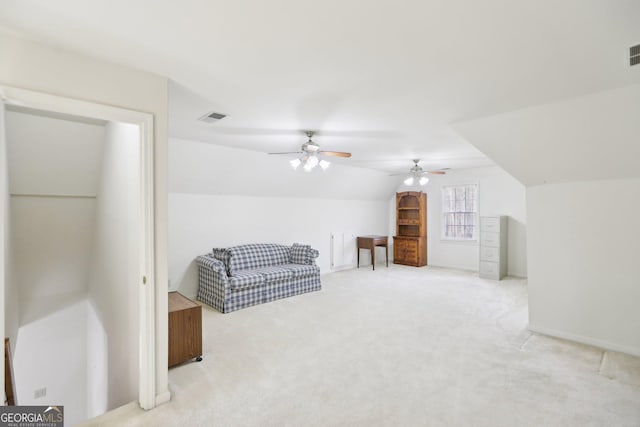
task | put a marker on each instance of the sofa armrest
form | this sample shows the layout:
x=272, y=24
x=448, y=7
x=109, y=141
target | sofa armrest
x=213, y=283
x=212, y=272
x=211, y=263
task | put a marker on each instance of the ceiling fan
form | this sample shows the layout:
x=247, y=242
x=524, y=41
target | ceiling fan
x=309, y=155
x=417, y=173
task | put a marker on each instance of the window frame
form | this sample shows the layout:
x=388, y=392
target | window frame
x=476, y=228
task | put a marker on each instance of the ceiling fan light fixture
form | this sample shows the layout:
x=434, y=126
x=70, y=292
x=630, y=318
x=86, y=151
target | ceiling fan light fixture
x=310, y=154
x=424, y=180
x=408, y=181
x=312, y=161
x=295, y=163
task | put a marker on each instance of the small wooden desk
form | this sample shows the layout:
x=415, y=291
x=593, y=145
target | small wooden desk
x=371, y=242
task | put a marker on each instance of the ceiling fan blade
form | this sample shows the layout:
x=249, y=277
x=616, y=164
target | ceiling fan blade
x=398, y=174
x=335, y=153
x=435, y=172
x=288, y=152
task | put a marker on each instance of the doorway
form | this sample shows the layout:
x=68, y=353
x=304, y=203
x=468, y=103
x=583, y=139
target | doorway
x=119, y=124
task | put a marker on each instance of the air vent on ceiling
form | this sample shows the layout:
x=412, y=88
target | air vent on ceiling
x=635, y=55
x=212, y=117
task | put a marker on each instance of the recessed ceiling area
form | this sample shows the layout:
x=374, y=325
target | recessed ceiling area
x=384, y=82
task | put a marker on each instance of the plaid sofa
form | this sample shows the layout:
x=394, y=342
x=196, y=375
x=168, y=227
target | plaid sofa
x=246, y=275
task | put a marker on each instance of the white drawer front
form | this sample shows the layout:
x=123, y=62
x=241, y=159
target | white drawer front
x=489, y=254
x=489, y=269
x=490, y=239
x=490, y=224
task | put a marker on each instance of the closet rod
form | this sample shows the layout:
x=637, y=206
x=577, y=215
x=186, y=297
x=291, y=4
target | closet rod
x=54, y=196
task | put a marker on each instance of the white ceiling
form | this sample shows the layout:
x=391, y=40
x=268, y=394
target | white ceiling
x=384, y=80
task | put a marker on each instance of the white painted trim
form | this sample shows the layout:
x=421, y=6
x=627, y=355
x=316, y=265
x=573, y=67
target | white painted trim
x=585, y=340
x=3, y=211
x=163, y=398
x=147, y=292
x=26, y=98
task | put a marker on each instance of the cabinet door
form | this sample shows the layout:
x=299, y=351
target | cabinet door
x=411, y=251
x=399, y=247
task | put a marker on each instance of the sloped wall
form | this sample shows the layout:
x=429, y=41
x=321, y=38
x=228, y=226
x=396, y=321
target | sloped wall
x=203, y=168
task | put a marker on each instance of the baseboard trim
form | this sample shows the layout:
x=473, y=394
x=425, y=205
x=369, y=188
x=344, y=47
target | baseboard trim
x=163, y=397
x=606, y=345
x=342, y=268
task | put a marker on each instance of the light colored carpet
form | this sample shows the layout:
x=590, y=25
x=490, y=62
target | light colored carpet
x=396, y=347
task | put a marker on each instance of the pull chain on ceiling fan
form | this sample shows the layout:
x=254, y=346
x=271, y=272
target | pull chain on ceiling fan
x=309, y=155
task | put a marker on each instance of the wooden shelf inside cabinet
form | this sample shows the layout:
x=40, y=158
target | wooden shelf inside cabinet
x=185, y=329
x=410, y=242
x=409, y=222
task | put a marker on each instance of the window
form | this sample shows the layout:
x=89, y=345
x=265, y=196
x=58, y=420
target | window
x=460, y=212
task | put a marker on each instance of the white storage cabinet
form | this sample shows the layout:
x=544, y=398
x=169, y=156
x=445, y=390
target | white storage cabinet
x=493, y=247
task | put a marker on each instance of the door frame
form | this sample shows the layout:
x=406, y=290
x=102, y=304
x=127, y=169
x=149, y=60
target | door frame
x=147, y=285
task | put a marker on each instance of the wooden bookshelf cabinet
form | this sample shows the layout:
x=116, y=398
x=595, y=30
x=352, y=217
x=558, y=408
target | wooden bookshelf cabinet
x=185, y=329
x=410, y=241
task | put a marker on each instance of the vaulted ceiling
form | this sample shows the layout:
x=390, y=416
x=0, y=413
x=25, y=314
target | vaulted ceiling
x=386, y=80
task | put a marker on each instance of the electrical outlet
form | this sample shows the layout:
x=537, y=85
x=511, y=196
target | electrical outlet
x=40, y=392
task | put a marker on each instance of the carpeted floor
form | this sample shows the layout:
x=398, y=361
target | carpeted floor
x=399, y=346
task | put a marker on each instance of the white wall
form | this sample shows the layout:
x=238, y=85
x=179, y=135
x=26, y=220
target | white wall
x=584, y=242
x=52, y=157
x=115, y=264
x=52, y=241
x=29, y=65
x=199, y=222
x=68, y=249
x=222, y=197
x=97, y=349
x=498, y=193
x=55, y=348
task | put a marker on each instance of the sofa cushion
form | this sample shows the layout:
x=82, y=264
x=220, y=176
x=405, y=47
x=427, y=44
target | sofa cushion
x=299, y=254
x=301, y=270
x=222, y=254
x=257, y=255
x=245, y=279
x=274, y=274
